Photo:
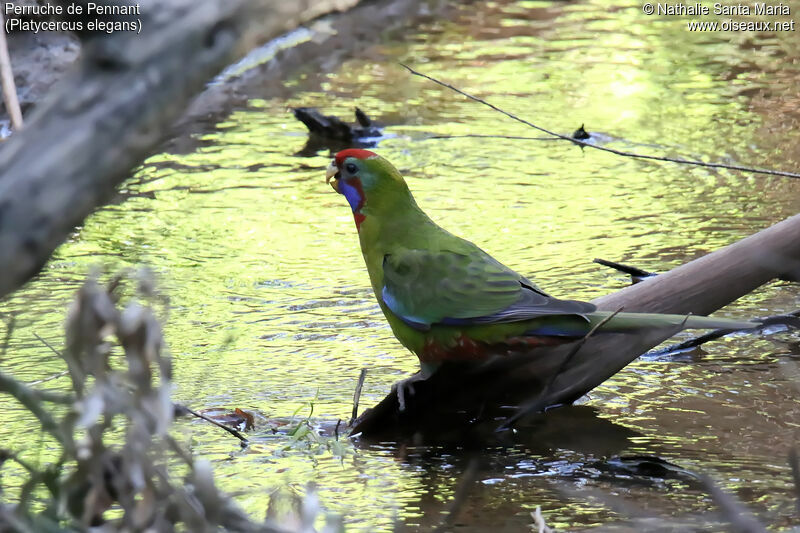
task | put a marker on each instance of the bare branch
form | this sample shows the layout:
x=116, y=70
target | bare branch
x=357, y=395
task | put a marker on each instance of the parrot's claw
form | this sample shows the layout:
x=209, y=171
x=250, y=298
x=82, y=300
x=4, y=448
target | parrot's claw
x=401, y=386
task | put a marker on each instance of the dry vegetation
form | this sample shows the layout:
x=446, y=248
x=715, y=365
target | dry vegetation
x=118, y=467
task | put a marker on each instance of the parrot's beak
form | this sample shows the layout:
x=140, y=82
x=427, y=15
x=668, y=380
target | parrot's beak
x=332, y=174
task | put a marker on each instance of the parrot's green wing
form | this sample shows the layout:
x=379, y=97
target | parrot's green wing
x=463, y=288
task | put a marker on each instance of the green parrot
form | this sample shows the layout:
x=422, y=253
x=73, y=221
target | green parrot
x=446, y=299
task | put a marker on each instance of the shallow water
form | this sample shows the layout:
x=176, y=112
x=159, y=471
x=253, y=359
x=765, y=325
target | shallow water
x=270, y=305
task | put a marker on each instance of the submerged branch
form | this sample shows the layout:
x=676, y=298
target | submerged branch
x=235, y=433
x=637, y=274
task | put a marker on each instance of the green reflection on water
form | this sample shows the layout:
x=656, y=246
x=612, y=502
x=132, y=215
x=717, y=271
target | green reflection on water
x=270, y=304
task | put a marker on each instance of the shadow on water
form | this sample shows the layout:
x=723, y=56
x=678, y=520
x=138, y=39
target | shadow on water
x=539, y=433
x=568, y=452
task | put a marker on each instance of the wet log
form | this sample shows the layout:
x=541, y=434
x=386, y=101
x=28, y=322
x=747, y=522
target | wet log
x=333, y=128
x=113, y=110
x=482, y=397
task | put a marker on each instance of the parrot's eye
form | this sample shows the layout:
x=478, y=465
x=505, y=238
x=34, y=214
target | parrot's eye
x=351, y=168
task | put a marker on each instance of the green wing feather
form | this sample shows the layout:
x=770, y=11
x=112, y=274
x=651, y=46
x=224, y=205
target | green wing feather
x=426, y=287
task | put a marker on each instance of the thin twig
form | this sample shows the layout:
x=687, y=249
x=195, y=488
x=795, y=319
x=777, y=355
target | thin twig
x=9, y=455
x=357, y=395
x=12, y=321
x=54, y=376
x=32, y=400
x=579, y=345
x=230, y=430
x=59, y=354
x=7, y=81
x=49, y=378
x=178, y=450
x=536, y=404
x=603, y=148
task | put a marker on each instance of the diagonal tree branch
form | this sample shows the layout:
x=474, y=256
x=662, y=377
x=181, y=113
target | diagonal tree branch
x=114, y=109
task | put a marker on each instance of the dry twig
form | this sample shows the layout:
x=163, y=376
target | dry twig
x=599, y=147
x=539, y=403
x=357, y=395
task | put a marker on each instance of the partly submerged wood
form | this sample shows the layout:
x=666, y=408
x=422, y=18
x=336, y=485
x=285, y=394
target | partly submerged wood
x=114, y=109
x=480, y=397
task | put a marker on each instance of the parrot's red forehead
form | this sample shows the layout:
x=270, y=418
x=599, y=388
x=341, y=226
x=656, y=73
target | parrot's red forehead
x=358, y=153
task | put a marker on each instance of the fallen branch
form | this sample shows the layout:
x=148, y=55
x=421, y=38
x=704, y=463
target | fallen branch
x=458, y=397
x=580, y=142
x=538, y=403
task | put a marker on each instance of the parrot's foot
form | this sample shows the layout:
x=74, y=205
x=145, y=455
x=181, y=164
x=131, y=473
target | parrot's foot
x=405, y=384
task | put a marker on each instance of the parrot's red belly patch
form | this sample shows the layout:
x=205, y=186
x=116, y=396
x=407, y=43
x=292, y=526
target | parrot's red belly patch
x=466, y=349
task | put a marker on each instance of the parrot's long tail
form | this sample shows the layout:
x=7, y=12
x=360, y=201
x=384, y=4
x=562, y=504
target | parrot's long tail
x=631, y=321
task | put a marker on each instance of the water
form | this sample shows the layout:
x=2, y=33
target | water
x=270, y=306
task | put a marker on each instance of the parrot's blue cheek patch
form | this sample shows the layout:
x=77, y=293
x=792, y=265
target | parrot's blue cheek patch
x=353, y=193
